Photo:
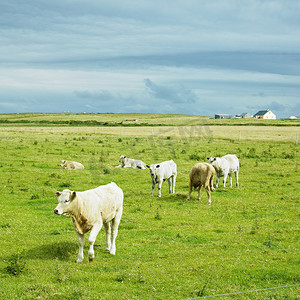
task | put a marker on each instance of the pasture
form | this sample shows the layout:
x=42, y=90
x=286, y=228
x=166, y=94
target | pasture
x=167, y=248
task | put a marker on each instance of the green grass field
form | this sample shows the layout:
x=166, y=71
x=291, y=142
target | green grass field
x=167, y=248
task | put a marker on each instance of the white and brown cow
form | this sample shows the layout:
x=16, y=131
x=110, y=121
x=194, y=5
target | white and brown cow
x=127, y=162
x=71, y=165
x=90, y=210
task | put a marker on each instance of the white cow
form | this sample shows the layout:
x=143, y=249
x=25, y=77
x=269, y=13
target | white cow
x=162, y=171
x=131, y=163
x=224, y=166
x=90, y=210
x=71, y=165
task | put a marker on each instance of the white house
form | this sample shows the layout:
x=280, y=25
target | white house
x=265, y=114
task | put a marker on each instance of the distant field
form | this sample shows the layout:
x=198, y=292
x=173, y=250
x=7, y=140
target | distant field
x=254, y=133
x=133, y=119
x=247, y=243
x=153, y=125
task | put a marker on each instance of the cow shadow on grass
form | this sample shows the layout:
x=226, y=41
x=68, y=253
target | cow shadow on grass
x=60, y=250
x=177, y=197
x=63, y=251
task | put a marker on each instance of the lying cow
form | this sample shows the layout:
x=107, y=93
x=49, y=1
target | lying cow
x=71, y=165
x=224, y=166
x=131, y=163
x=90, y=210
x=201, y=175
x=162, y=171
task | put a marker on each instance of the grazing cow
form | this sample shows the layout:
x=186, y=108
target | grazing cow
x=71, y=165
x=202, y=175
x=131, y=163
x=90, y=210
x=224, y=166
x=162, y=171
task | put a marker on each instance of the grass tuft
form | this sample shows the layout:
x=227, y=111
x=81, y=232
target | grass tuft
x=16, y=264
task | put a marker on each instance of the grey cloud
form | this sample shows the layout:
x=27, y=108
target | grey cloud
x=173, y=94
x=278, y=106
x=100, y=95
x=50, y=31
x=90, y=39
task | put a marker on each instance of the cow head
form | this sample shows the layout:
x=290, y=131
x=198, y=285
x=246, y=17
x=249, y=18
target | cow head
x=62, y=163
x=211, y=159
x=153, y=169
x=122, y=159
x=65, y=199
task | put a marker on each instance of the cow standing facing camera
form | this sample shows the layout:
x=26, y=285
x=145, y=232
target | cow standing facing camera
x=90, y=210
x=162, y=171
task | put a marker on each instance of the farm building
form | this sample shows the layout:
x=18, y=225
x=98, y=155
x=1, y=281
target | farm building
x=265, y=114
x=223, y=116
x=243, y=116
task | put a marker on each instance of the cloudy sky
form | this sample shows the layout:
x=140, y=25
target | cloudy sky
x=194, y=56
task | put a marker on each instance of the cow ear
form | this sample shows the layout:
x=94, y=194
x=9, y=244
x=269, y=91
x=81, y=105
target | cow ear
x=58, y=194
x=215, y=158
x=73, y=196
x=207, y=158
x=157, y=166
x=147, y=166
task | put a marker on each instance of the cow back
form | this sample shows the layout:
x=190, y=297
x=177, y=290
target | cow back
x=101, y=202
x=233, y=162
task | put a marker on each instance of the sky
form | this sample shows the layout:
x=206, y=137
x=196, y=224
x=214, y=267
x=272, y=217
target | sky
x=198, y=57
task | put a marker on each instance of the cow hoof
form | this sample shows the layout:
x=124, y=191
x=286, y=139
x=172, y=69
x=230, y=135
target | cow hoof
x=91, y=259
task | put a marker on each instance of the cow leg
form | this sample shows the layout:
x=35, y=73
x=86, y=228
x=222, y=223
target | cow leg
x=190, y=190
x=114, y=230
x=159, y=188
x=81, y=245
x=217, y=180
x=92, y=238
x=170, y=185
x=153, y=187
x=237, y=178
x=199, y=190
x=208, y=194
x=173, y=187
x=224, y=179
x=108, y=235
x=230, y=177
x=211, y=183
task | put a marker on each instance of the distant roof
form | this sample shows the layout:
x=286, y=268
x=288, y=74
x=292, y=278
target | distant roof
x=261, y=112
